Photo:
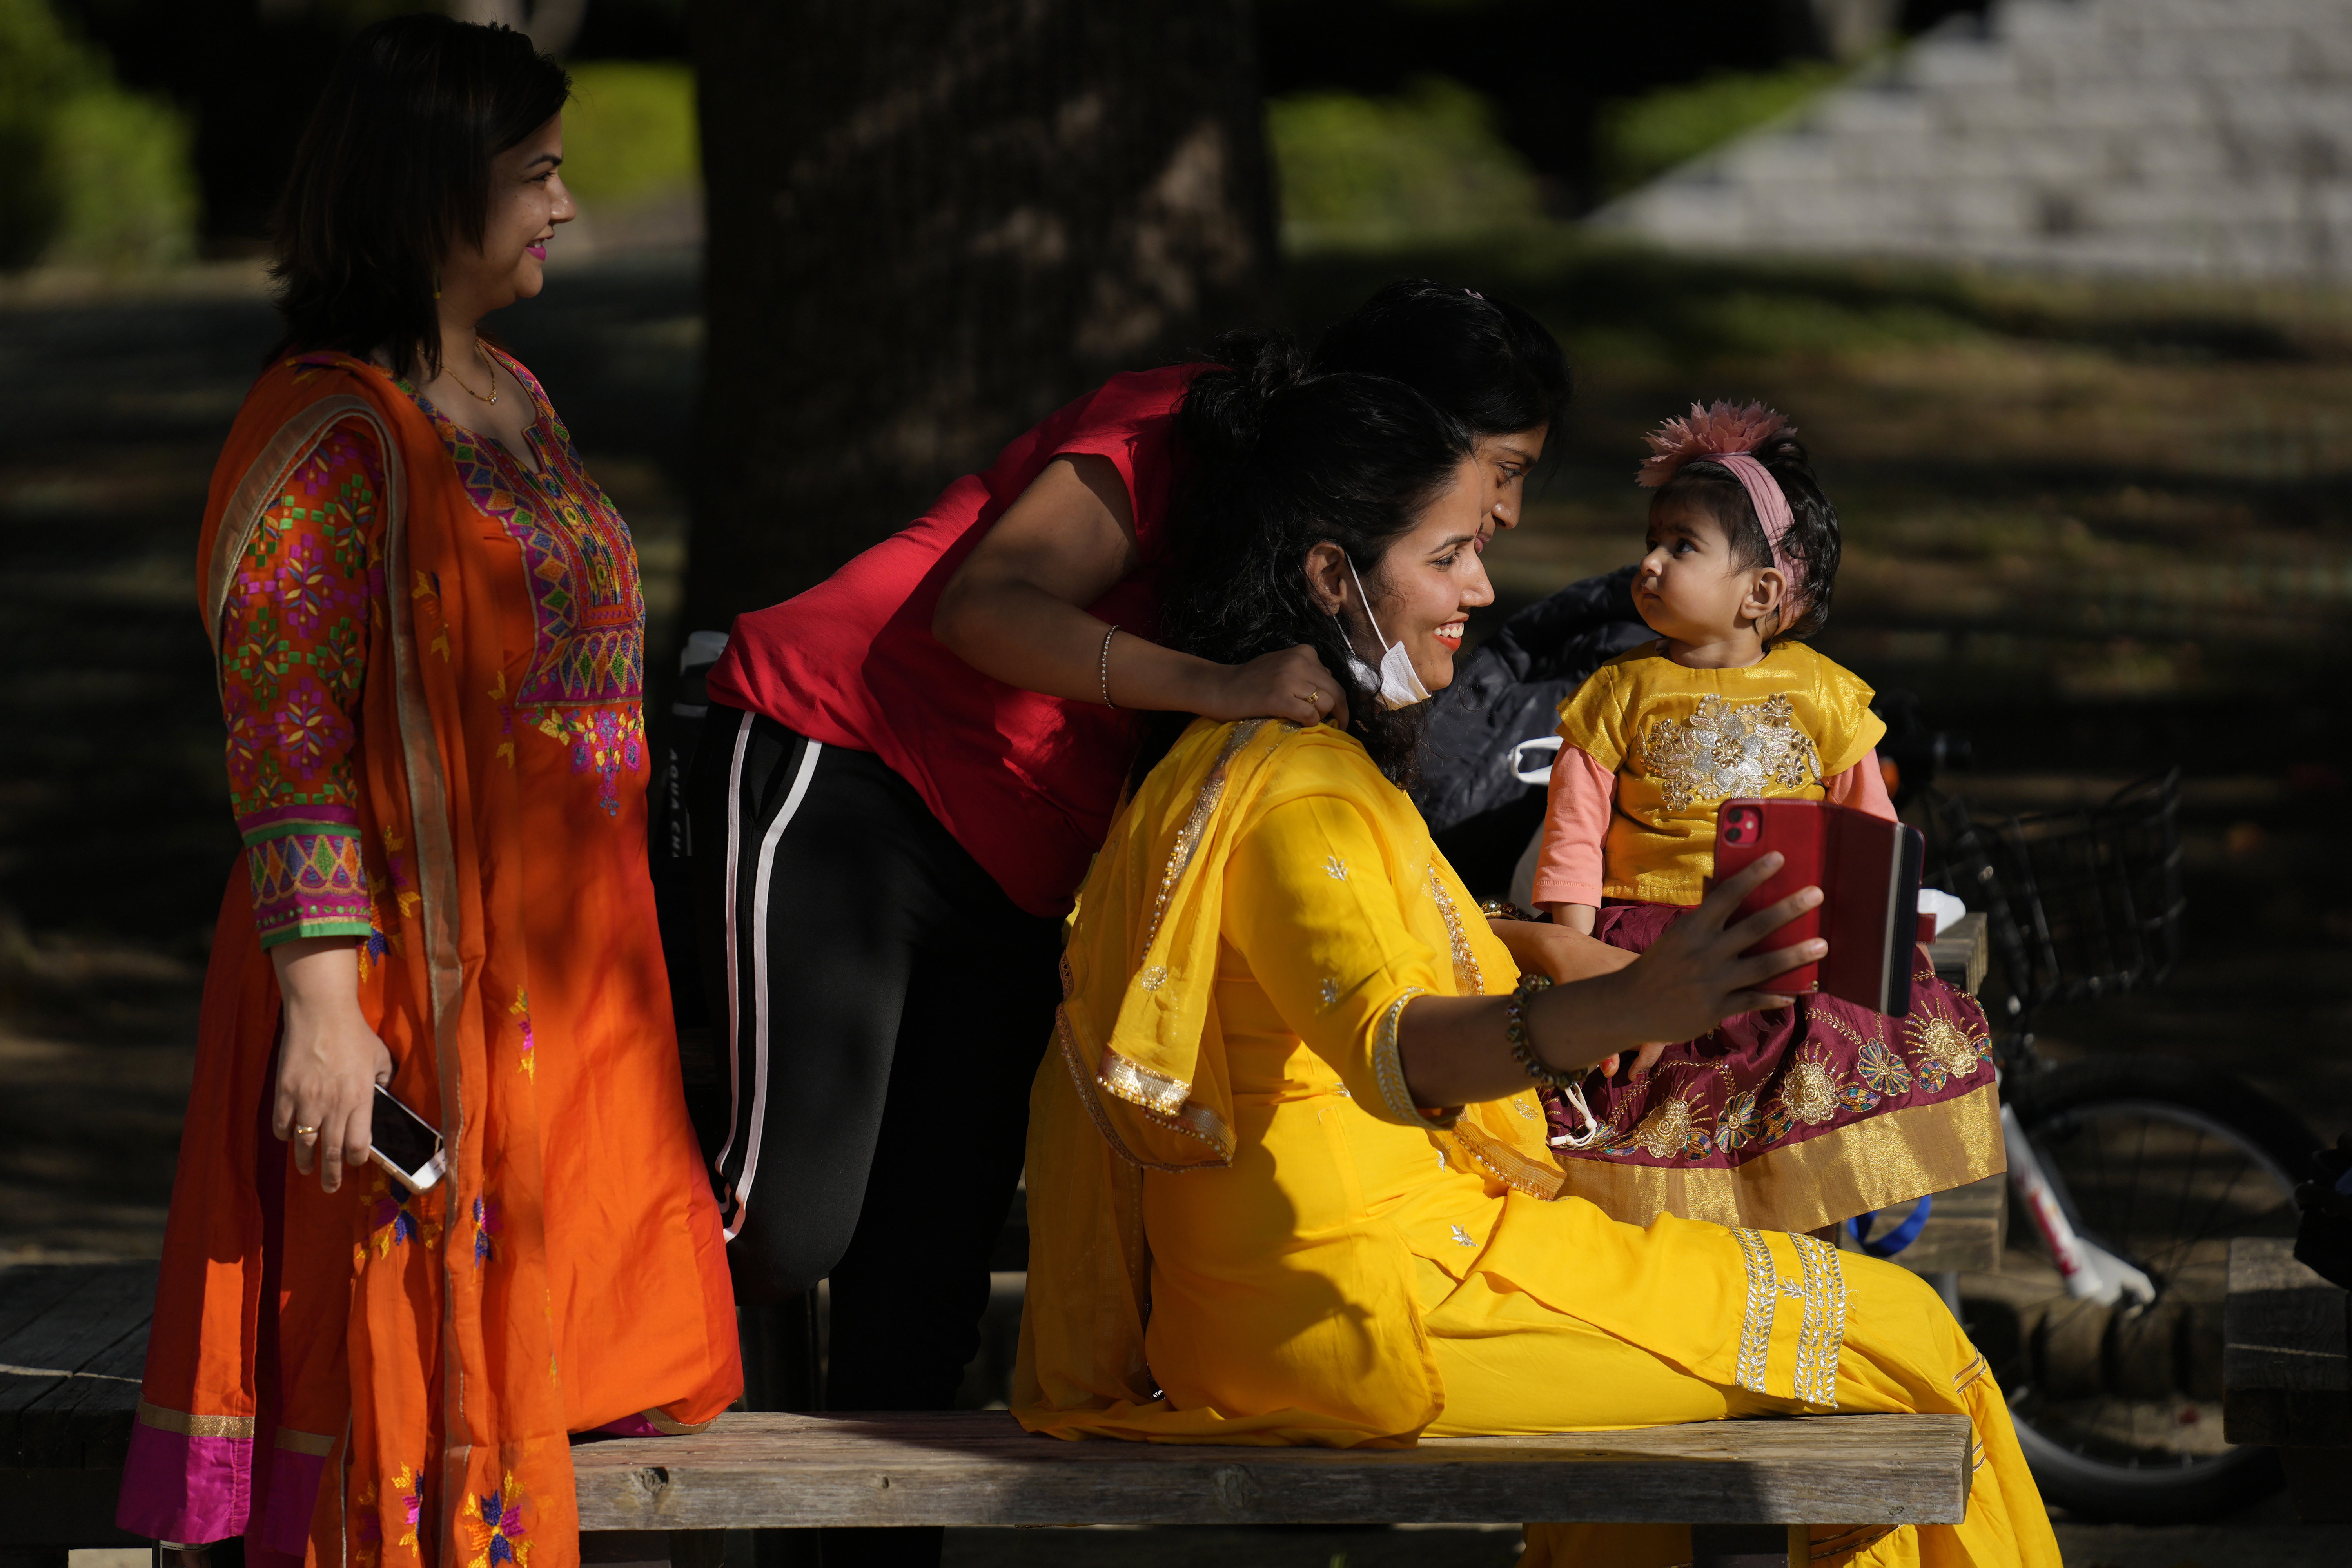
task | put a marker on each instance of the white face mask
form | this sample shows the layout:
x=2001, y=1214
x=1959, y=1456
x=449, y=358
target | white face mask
x=1400, y=684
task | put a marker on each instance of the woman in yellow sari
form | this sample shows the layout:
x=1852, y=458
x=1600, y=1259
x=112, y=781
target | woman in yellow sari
x=1287, y=1175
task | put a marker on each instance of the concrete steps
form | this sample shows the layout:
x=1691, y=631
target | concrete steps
x=2160, y=137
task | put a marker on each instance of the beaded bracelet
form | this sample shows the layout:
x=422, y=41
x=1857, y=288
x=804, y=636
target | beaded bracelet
x=1515, y=1031
x=1103, y=672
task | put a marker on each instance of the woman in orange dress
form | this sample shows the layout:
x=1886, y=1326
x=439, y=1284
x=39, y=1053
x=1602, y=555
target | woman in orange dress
x=429, y=632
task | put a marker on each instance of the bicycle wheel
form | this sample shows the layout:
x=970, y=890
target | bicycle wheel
x=2118, y=1409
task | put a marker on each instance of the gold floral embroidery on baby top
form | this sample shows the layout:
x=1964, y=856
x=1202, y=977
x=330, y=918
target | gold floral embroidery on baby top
x=1727, y=749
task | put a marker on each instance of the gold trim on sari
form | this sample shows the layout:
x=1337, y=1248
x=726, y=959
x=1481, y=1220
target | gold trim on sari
x=1467, y=981
x=1819, y=1286
x=1188, y=838
x=1874, y=1164
x=1823, y=1335
x=669, y=1428
x=320, y=1444
x=264, y=483
x=188, y=1426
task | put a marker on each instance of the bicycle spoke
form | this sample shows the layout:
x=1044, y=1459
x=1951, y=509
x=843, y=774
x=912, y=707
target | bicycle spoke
x=2158, y=1259
x=2186, y=1183
x=2204, y=1228
x=2131, y=1203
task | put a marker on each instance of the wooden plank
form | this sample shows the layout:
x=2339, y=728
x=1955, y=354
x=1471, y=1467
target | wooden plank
x=2284, y=1326
x=1960, y=954
x=106, y=1301
x=29, y=1290
x=1964, y=1231
x=2287, y=1351
x=86, y=1420
x=977, y=1468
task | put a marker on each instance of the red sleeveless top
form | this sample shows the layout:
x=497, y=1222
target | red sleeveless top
x=1025, y=781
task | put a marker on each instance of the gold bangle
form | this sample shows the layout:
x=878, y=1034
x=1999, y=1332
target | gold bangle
x=1514, y=1032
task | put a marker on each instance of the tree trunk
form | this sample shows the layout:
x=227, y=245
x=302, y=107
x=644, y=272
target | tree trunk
x=931, y=223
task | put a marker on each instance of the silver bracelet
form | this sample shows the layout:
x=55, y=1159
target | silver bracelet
x=1104, y=673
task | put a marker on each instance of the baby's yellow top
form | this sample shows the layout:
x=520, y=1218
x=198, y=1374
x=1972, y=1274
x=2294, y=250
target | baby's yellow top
x=1681, y=742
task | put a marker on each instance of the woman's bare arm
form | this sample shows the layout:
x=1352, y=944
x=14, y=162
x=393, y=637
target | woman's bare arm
x=1561, y=952
x=329, y=1061
x=1574, y=917
x=1566, y=950
x=1690, y=980
x=1013, y=610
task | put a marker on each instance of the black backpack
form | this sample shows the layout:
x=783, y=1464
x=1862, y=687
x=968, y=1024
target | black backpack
x=1506, y=691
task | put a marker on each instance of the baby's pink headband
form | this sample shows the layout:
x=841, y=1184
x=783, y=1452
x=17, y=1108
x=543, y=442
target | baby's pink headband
x=1727, y=435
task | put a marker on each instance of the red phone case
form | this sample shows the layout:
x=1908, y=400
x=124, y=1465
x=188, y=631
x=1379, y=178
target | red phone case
x=1748, y=830
x=1868, y=871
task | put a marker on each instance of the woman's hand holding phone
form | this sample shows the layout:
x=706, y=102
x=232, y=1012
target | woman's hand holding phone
x=1693, y=977
x=329, y=1061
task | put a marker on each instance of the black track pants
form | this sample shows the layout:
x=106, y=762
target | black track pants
x=886, y=1006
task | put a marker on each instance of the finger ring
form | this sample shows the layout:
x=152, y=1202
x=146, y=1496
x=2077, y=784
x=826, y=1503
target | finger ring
x=1314, y=699
x=306, y=1132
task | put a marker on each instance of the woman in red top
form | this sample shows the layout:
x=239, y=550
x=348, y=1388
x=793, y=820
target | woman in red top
x=904, y=773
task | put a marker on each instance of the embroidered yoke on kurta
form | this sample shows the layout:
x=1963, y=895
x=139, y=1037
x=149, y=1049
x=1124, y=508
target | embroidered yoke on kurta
x=1245, y=1230
x=431, y=661
x=1681, y=742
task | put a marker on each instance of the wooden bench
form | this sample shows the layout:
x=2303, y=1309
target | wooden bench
x=73, y=1339
x=1739, y=1483
x=1964, y=1231
x=2287, y=1372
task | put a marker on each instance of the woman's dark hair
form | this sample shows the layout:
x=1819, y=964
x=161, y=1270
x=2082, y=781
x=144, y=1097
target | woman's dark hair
x=1487, y=362
x=393, y=172
x=1811, y=545
x=1285, y=458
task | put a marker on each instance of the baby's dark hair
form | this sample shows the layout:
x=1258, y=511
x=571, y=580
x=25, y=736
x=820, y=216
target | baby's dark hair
x=1812, y=545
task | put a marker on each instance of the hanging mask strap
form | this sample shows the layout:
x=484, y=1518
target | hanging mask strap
x=1367, y=598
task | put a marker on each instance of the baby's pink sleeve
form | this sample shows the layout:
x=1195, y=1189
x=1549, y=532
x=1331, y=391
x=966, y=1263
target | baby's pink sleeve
x=1576, y=822
x=1862, y=786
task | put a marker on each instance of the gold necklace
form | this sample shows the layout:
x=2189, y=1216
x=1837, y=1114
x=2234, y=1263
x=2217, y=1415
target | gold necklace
x=451, y=372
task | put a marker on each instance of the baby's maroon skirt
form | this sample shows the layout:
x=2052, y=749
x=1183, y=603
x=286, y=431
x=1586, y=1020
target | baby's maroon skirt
x=1789, y=1120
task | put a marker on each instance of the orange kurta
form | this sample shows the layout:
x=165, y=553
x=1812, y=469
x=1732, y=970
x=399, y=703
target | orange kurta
x=391, y=1379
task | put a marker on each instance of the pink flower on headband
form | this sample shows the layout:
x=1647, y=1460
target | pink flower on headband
x=1726, y=434
x=1721, y=430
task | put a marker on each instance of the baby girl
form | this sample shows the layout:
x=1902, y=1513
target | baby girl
x=1795, y=1119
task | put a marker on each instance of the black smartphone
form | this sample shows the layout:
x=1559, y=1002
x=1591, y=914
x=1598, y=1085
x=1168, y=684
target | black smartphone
x=404, y=1144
